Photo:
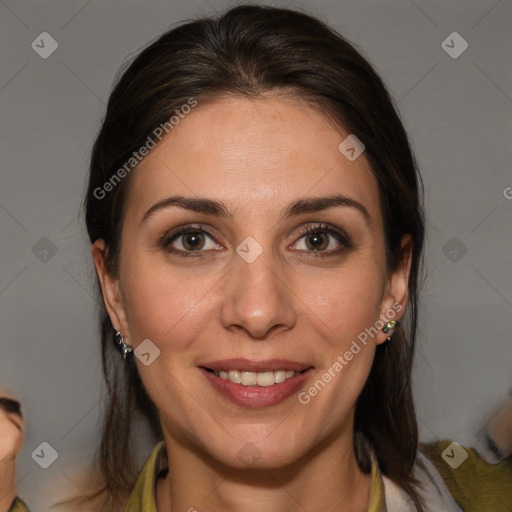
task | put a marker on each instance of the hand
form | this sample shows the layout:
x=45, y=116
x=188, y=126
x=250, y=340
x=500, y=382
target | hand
x=11, y=429
x=11, y=441
x=500, y=430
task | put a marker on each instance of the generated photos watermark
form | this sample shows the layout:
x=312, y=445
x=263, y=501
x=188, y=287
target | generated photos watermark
x=342, y=361
x=137, y=156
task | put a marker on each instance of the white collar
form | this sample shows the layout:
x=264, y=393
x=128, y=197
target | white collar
x=437, y=497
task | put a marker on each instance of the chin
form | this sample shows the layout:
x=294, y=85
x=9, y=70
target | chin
x=258, y=451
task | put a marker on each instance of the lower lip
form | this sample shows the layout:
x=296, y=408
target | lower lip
x=257, y=396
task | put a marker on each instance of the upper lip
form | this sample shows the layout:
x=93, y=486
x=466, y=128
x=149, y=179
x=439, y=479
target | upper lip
x=248, y=365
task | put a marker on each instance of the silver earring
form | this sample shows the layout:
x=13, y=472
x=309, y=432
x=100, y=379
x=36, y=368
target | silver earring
x=390, y=326
x=123, y=347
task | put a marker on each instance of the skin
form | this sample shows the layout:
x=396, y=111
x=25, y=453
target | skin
x=11, y=441
x=257, y=156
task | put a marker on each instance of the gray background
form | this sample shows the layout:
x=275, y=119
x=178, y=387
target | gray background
x=458, y=115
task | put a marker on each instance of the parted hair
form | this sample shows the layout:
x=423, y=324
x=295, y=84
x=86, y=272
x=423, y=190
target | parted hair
x=251, y=50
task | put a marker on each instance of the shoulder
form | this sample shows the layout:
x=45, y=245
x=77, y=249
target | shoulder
x=474, y=483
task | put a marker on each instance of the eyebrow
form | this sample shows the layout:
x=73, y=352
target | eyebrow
x=219, y=209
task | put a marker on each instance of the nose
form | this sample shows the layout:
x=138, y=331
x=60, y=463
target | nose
x=258, y=300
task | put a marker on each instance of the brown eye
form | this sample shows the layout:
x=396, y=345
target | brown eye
x=323, y=239
x=317, y=241
x=193, y=240
x=190, y=241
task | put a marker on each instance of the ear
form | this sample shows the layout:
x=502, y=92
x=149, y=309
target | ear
x=110, y=289
x=396, y=294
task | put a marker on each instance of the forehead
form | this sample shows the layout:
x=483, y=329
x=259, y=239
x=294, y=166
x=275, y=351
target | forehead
x=247, y=152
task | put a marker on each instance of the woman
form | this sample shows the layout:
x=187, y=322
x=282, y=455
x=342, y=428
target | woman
x=257, y=229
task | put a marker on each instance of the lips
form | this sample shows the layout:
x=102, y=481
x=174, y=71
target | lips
x=256, y=396
x=247, y=365
x=256, y=384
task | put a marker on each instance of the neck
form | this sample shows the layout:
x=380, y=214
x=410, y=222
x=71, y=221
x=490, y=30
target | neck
x=327, y=480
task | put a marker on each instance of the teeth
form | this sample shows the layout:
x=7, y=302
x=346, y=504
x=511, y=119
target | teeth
x=280, y=376
x=256, y=379
x=249, y=378
x=234, y=376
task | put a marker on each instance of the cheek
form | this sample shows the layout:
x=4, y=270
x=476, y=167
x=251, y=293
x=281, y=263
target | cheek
x=342, y=310
x=344, y=302
x=164, y=306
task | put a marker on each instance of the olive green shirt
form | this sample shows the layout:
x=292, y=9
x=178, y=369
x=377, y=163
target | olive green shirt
x=475, y=486
x=18, y=506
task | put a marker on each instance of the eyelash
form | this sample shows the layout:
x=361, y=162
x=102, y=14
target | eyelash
x=339, y=235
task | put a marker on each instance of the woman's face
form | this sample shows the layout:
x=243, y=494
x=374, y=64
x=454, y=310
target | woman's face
x=246, y=282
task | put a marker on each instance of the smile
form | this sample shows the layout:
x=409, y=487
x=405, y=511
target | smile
x=263, y=379
x=256, y=389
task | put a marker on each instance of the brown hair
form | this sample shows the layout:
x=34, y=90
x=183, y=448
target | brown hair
x=251, y=50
